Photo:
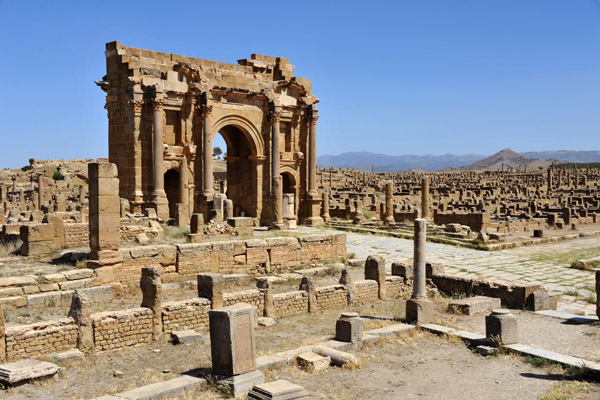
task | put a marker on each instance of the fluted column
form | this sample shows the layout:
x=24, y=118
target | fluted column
x=159, y=196
x=276, y=182
x=158, y=149
x=137, y=196
x=207, y=151
x=312, y=154
x=313, y=198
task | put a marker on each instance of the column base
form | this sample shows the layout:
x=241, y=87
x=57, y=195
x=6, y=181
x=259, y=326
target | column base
x=136, y=203
x=162, y=206
x=314, y=221
x=419, y=311
x=389, y=221
x=278, y=226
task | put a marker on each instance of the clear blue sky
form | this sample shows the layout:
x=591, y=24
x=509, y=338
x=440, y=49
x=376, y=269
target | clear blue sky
x=395, y=77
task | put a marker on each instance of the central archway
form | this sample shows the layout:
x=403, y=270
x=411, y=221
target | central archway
x=243, y=142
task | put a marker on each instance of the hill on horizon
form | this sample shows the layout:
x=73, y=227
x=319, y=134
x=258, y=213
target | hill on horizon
x=363, y=160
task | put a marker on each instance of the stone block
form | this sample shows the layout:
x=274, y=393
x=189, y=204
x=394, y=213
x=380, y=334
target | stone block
x=69, y=357
x=278, y=390
x=26, y=370
x=186, y=337
x=539, y=300
x=240, y=385
x=232, y=340
x=44, y=299
x=211, y=286
x=405, y=270
x=78, y=274
x=501, y=326
x=473, y=305
x=312, y=362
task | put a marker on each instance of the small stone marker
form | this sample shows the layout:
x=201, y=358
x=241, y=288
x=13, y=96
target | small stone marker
x=349, y=328
x=265, y=321
x=186, y=336
x=278, y=390
x=69, y=357
x=312, y=362
x=26, y=370
x=501, y=325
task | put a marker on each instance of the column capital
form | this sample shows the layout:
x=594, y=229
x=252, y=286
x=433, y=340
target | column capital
x=157, y=103
x=275, y=115
x=205, y=110
x=136, y=105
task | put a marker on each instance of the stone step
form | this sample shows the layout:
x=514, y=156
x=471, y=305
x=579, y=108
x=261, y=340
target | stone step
x=474, y=305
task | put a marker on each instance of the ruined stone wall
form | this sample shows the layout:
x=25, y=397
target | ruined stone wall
x=77, y=234
x=117, y=329
x=254, y=256
x=27, y=341
x=476, y=221
x=185, y=314
x=334, y=296
x=290, y=303
x=366, y=291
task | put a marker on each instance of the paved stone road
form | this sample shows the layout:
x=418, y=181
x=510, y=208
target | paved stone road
x=546, y=264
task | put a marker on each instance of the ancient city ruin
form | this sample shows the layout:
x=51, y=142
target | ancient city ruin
x=272, y=278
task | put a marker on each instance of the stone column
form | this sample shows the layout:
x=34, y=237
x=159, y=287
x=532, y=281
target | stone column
x=313, y=198
x=104, y=220
x=266, y=287
x=183, y=206
x=549, y=179
x=151, y=286
x=40, y=192
x=207, y=152
x=14, y=185
x=2, y=336
x=347, y=280
x=159, y=197
x=325, y=209
x=389, y=203
x=425, y=198
x=418, y=308
x=137, y=197
x=308, y=286
x=80, y=312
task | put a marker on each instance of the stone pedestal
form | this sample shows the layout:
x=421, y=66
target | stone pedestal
x=313, y=201
x=501, y=326
x=151, y=286
x=232, y=340
x=349, y=328
x=419, y=311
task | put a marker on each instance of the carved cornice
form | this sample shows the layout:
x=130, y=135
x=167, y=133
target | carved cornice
x=136, y=105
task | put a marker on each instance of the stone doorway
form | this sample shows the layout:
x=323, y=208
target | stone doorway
x=172, y=190
x=240, y=171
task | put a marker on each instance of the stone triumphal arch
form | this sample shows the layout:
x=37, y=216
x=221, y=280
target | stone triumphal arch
x=164, y=111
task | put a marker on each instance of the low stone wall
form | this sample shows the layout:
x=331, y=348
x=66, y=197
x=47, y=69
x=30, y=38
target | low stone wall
x=366, y=291
x=27, y=341
x=185, y=314
x=290, y=303
x=394, y=286
x=334, y=296
x=118, y=329
x=251, y=296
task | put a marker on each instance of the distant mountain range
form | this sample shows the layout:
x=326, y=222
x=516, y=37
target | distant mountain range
x=385, y=163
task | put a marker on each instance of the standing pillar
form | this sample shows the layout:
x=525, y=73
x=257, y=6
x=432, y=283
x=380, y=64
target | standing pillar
x=549, y=180
x=14, y=181
x=184, y=198
x=425, y=198
x=277, y=187
x=330, y=178
x=137, y=197
x=418, y=308
x=325, y=212
x=40, y=191
x=159, y=197
x=314, y=200
x=389, y=203
x=207, y=152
